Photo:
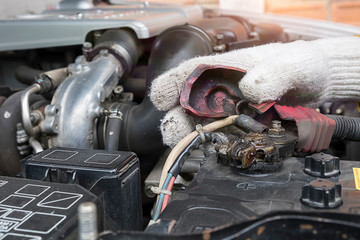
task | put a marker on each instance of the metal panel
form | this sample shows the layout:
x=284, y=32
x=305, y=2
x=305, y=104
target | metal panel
x=64, y=28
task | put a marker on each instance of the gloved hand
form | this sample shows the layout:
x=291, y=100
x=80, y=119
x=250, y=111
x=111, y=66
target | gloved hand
x=305, y=73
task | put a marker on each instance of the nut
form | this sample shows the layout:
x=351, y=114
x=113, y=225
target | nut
x=276, y=129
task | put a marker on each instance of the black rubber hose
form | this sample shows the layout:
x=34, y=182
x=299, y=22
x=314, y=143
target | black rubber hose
x=347, y=128
x=140, y=130
x=113, y=134
x=248, y=124
x=10, y=113
x=26, y=74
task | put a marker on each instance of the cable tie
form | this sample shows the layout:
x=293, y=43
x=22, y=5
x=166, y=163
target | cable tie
x=199, y=129
x=157, y=191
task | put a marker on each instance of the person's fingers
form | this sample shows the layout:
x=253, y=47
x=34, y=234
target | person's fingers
x=176, y=125
x=164, y=92
x=300, y=69
x=166, y=89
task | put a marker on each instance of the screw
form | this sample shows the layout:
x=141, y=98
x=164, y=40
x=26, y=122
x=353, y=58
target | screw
x=118, y=89
x=87, y=221
x=87, y=46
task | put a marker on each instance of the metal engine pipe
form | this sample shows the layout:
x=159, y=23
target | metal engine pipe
x=77, y=101
x=25, y=110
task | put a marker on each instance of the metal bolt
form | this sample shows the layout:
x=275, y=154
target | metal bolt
x=219, y=37
x=118, y=89
x=87, y=48
x=276, y=129
x=276, y=124
x=219, y=47
x=35, y=117
x=87, y=221
x=87, y=45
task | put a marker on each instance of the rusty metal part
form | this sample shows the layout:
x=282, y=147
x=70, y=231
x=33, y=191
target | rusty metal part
x=314, y=129
x=254, y=148
x=212, y=91
x=239, y=154
x=285, y=144
x=276, y=129
x=245, y=152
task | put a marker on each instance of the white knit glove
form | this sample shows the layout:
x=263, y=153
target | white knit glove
x=296, y=73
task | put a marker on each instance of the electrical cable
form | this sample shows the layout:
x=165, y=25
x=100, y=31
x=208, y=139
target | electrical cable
x=179, y=162
x=175, y=159
x=194, y=144
x=161, y=197
x=167, y=197
x=178, y=149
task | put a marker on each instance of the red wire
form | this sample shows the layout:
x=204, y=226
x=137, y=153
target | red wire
x=166, y=198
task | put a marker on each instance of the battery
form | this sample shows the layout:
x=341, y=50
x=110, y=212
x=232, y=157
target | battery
x=113, y=176
x=220, y=196
x=31, y=209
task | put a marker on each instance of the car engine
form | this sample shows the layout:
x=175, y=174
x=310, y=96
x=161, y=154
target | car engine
x=81, y=153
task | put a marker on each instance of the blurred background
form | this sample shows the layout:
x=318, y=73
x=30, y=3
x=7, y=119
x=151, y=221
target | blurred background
x=343, y=11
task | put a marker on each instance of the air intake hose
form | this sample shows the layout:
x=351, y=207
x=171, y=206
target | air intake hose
x=347, y=128
x=140, y=131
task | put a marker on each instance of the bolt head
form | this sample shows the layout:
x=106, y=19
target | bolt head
x=87, y=45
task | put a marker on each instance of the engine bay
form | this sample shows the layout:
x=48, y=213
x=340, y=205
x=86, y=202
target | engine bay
x=81, y=151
